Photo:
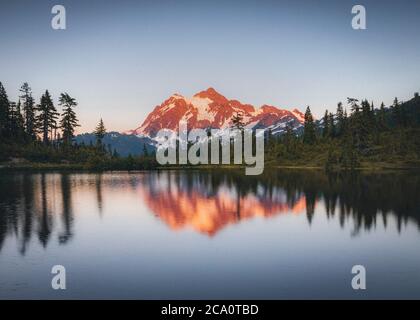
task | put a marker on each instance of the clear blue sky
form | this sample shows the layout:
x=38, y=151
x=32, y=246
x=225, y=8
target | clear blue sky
x=119, y=59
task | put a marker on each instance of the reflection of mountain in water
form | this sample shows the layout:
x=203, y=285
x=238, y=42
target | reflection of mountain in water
x=207, y=201
x=42, y=206
x=207, y=204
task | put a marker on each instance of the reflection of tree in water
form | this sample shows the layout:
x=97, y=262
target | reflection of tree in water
x=67, y=214
x=45, y=219
x=361, y=199
x=98, y=185
x=25, y=208
x=28, y=200
x=10, y=191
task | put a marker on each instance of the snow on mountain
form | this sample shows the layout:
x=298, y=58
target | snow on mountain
x=210, y=109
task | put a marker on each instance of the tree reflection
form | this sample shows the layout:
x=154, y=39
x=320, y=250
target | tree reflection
x=360, y=198
x=208, y=201
x=45, y=219
x=67, y=214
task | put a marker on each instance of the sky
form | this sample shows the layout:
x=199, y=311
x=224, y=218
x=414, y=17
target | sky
x=120, y=59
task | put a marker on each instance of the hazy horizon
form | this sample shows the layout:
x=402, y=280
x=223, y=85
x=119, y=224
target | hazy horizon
x=121, y=59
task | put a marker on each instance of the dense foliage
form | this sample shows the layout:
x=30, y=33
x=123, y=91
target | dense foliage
x=367, y=137
x=35, y=135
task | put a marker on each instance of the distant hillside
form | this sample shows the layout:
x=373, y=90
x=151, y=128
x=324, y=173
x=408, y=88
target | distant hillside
x=124, y=144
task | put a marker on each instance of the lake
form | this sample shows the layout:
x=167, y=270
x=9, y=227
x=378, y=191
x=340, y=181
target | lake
x=210, y=234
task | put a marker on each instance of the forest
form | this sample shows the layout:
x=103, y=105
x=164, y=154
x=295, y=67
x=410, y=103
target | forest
x=358, y=135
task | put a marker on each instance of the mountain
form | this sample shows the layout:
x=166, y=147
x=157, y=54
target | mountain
x=122, y=143
x=210, y=109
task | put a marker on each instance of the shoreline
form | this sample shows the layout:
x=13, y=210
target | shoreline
x=35, y=166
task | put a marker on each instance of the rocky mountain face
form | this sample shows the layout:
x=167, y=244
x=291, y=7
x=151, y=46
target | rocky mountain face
x=210, y=109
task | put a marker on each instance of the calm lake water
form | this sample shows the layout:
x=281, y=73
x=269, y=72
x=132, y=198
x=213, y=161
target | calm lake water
x=178, y=235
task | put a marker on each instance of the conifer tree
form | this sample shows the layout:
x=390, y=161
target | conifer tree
x=309, y=135
x=396, y=112
x=100, y=132
x=326, y=119
x=29, y=111
x=382, y=123
x=331, y=125
x=16, y=123
x=68, y=121
x=4, y=112
x=340, y=119
x=47, y=119
x=237, y=121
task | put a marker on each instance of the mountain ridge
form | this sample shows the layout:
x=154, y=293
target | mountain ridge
x=210, y=109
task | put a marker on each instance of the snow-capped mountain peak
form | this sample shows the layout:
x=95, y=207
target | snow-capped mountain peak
x=210, y=109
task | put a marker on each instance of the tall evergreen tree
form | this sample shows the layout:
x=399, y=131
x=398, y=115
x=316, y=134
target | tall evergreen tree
x=326, y=120
x=289, y=139
x=367, y=125
x=309, y=135
x=68, y=121
x=238, y=122
x=16, y=123
x=29, y=111
x=381, y=118
x=354, y=106
x=47, y=118
x=340, y=119
x=4, y=112
x=331, y=125
x=100, y=132
x=396, y=112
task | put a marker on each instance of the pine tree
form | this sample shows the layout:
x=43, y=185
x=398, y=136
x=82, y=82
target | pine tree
x=47, y=119
x=16, y=123
x=326, y=119
x=238, y=124
x=289, y=139
x=4, y=112
x=396, y=112
x=309, y=135
x=340, y=119
x=68, y=121
x=237, y=121
x=356, y=125
x=354, y=106
x=100, y=132
x=382, y=124
x=331, y=125
x=29, y=111
x=367, y=121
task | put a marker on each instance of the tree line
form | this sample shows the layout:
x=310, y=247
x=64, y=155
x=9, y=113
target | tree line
x=38, y=132
x=26, y=122
x=347, y=140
